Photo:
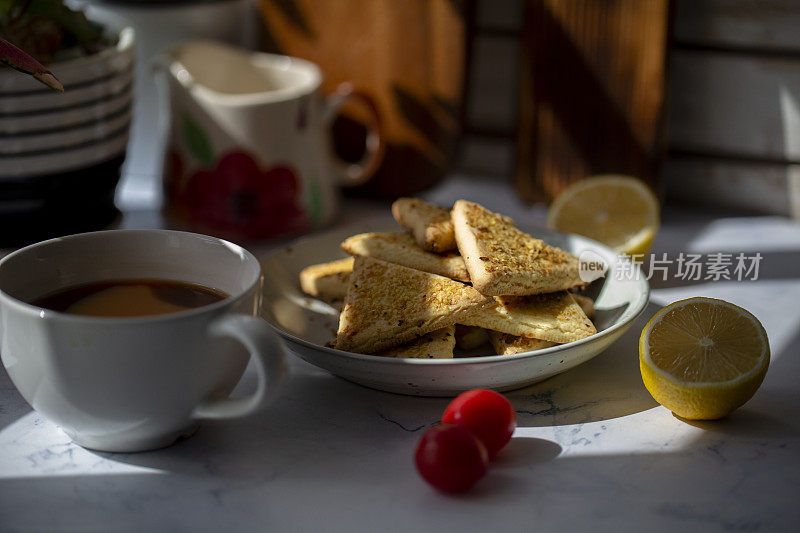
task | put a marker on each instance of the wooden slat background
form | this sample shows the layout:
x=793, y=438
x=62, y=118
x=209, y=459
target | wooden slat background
x=745, y=24
x=735, y=84
x=730, y=104
x=746, y=185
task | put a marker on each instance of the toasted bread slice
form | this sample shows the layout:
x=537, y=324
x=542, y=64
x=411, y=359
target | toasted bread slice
x=400, y=248
x=586, y=303
x=505, y=344
x=328, y=281
x=502, y=260
x=430, y=224
x=437, y=344
x=470, y=337
x=389, y=304
x=552, y=317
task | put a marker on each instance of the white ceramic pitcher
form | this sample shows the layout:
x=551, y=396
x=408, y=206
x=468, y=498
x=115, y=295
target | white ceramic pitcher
x=249, y=152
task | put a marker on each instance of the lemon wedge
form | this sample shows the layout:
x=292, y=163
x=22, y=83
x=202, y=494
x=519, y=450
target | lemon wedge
x=702, y=358
x=619, y=211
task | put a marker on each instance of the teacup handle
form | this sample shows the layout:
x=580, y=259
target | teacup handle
x=267, y=353
x=352, y=174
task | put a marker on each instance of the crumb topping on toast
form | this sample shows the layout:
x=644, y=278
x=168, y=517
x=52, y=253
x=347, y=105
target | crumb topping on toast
x=388, y=304
x=505, y=248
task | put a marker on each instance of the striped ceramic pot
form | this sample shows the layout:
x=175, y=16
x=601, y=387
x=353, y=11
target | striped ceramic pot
x=61, y=154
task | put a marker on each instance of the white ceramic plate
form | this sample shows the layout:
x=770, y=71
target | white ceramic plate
x=306, y=324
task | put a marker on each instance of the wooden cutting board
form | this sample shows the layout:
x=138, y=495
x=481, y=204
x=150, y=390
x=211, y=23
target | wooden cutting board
x=408, y=55
x=592, y=95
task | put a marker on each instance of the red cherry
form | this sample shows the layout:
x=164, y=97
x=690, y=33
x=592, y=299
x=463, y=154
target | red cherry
x=450, y=458
x=487, y=414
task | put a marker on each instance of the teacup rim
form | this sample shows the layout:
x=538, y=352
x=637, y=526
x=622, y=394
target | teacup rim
x=26, y=307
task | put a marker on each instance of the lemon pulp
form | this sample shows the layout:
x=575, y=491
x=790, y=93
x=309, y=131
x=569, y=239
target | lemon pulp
x=619, y=211
x=702, y=358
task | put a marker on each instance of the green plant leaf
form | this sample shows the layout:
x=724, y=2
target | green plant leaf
x=197, y=140
x=314, y=200
x=5, y=6
x=75, y=22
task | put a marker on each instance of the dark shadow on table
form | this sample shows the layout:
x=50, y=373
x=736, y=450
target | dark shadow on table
x=608, y=386
x=12, y=405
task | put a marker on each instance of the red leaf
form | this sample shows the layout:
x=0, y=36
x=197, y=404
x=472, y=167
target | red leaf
x=19, y=60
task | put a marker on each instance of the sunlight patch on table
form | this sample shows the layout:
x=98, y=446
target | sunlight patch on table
x=33, y=447
x=747, y=234
x=661, y=432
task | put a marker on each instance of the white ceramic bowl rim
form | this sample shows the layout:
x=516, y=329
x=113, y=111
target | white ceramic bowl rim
x=633, y=310
x=125, y=42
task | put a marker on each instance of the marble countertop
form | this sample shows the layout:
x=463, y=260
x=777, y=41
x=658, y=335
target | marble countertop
x=593, y=451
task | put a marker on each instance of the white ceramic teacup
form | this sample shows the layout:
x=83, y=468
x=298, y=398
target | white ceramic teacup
x=139, y=383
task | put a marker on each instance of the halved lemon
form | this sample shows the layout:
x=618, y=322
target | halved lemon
x=619, y=211
x=702, y=358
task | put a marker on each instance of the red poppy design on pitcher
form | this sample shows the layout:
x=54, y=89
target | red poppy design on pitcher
x=238, y=197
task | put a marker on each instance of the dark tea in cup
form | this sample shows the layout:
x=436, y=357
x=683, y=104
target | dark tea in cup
x=130, y=297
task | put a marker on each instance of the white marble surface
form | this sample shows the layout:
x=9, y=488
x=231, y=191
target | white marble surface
x=593, y=451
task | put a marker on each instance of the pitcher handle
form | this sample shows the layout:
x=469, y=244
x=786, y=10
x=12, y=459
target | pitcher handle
x=352, y=174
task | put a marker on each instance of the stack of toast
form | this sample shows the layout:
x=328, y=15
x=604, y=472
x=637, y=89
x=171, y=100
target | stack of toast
x=463, y=277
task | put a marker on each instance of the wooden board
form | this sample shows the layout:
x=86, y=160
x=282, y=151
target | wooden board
x=592, y=92
x=408, y=56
